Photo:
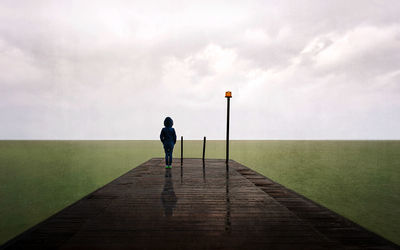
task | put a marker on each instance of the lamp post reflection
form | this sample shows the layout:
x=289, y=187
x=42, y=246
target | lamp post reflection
x=204, y=172
x=168, y=196
x=181, y=175
x=228, y=203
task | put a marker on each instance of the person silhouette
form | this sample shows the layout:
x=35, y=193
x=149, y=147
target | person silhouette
x=168, y=138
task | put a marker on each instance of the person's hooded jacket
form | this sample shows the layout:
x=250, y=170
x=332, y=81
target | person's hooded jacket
x=168, y=135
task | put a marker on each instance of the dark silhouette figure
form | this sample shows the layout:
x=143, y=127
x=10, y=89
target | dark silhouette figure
x=168, y=196
x=168, y=138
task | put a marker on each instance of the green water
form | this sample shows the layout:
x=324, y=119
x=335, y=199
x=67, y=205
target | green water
x=358, y=179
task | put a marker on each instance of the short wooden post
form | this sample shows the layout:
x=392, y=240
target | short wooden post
x=204, y=148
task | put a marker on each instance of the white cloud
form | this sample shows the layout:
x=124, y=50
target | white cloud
x=309, y=70
x=18, y=67
x=361, y=45
x=257, y=37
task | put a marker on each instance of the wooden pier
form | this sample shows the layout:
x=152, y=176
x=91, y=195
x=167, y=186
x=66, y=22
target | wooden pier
x=196, y=207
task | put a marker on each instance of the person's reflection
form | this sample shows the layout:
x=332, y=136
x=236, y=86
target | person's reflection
x=168, y=196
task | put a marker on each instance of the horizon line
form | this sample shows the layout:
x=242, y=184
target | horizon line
x=201, y=139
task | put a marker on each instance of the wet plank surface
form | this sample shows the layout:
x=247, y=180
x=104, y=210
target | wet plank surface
x=196, y=207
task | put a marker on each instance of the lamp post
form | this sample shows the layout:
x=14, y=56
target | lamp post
x=228, y=96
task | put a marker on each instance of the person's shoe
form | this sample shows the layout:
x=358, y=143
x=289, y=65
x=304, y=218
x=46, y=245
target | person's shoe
x=166, y=166
x=169, y=166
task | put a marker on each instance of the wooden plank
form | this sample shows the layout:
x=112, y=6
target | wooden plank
x=333, y=226
x=196, y=207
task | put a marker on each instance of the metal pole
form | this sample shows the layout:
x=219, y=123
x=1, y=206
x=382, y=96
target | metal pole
x=204, y=148
x=181, y=150
x=227, y=131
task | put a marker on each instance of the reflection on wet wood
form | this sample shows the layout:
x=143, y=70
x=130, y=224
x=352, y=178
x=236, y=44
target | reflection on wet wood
x=196, y=206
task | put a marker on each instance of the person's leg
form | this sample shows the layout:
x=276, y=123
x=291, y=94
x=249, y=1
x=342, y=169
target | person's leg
x=170, y=158
x=166, y=156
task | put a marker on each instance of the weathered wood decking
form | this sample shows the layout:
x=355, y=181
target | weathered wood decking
x=196, y=207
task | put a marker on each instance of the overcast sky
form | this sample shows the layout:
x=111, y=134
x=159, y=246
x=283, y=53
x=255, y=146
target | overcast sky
x=115, y=69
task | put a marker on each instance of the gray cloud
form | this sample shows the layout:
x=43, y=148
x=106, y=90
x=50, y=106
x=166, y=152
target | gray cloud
x=303, y=70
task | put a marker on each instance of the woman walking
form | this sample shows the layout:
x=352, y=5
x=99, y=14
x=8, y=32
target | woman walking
x=168, y=138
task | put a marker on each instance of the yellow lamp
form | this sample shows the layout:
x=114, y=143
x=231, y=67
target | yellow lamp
x=228, y=94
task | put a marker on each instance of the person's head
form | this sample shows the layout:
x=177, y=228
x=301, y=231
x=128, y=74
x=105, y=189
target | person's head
x=168, y=122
